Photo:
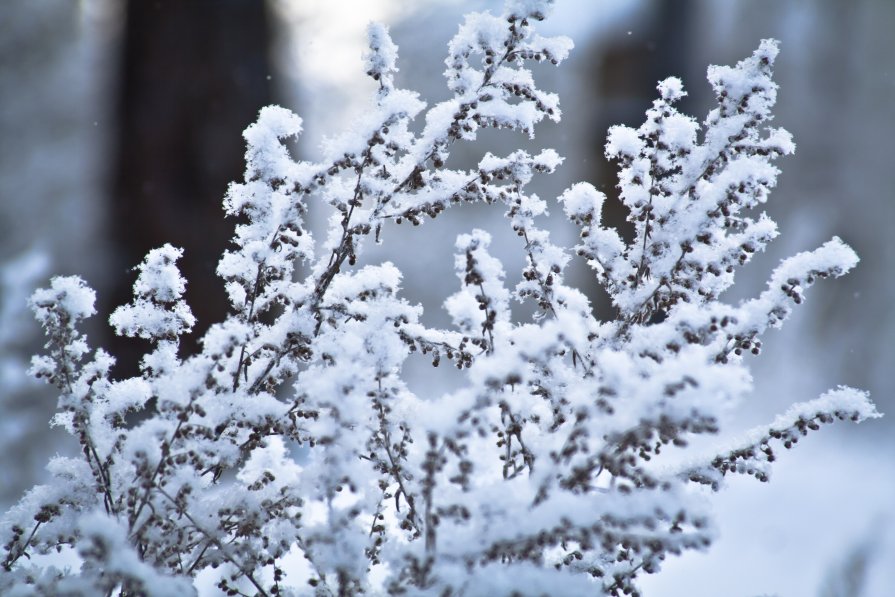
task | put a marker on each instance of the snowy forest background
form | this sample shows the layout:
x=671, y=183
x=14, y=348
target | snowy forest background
x=112, y=112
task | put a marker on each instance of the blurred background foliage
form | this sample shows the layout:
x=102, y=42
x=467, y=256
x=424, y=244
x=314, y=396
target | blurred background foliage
x=120, y=129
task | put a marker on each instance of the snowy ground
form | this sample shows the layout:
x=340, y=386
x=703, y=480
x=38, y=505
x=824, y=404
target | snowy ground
x=795, y=535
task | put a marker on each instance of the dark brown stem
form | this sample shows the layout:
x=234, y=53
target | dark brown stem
x=215, y=541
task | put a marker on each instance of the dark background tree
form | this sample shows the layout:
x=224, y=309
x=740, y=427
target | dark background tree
x=194, y=73
x=623, y=75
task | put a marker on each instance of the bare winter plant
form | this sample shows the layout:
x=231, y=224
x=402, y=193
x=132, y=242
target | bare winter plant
x=289, y=454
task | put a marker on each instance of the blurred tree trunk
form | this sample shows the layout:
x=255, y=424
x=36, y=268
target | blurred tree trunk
x=194, y=75
x=627, y=72
x=655, y=44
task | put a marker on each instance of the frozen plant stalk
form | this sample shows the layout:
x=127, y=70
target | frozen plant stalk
x=536, y=476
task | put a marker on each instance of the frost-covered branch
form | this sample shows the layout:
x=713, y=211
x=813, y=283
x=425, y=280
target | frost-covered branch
x=754, y=454
x=292, y=432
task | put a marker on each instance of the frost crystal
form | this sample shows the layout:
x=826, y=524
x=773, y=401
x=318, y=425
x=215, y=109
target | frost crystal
x=158, y=310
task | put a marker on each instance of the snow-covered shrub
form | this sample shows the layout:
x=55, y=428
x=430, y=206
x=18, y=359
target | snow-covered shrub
x=290, y=455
